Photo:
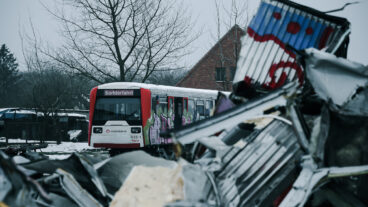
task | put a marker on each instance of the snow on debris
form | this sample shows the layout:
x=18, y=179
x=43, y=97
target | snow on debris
x=63, y=150
x=73, y=134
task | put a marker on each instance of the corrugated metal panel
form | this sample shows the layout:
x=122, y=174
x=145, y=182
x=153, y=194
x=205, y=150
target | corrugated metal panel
x=265, y=59
x=250, y=176
x=229, y=119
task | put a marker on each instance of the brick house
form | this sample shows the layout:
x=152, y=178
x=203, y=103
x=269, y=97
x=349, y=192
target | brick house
x=216, y=69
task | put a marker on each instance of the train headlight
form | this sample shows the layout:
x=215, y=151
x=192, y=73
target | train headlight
x=135, y=130
x=97, y=130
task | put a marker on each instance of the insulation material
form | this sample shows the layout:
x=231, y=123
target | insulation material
x=342, y=83
x=150, y=186
x=115, y=171
x=265, y=59
x=263, y=121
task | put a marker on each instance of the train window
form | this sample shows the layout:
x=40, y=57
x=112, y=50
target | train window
x=200, y=110
x=200, y=107
x=163, y=104
x=171, y=103
x=185, y=104
x=209, y=105
x=180, y=108
x=164, y=123
x=127, y=109
x=153, y=104
x=191, y=107
x=163, y=107
x=207, y=108
x=155, y=101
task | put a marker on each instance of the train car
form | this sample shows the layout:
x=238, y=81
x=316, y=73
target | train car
x=127, y=115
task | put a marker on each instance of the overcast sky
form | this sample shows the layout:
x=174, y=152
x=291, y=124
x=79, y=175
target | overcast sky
x=15, y=14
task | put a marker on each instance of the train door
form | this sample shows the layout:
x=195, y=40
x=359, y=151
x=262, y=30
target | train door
x=178, y=112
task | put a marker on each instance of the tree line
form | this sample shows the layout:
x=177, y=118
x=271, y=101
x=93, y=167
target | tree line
x=44, y=89
x=48, y=87
x=103, y=41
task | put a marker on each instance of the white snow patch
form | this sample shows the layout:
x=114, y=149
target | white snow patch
x=20, y=160
x=16, y=141
x=72, y=115
x=67, y=147
x=63, y=150
x=73, y=134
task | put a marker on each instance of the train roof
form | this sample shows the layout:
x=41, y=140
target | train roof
x=164, y=90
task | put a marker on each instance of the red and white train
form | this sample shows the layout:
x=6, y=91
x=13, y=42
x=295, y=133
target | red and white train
x=126, y=115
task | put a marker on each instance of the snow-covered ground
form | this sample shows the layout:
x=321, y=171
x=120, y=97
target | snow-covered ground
x=57, y=151
x=14, y=141
x=63, y=150
x=67, y=147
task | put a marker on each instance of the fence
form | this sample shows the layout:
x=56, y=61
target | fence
x=43, y=130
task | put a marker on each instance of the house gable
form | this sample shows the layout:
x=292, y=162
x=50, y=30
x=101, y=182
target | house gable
x=222, y=56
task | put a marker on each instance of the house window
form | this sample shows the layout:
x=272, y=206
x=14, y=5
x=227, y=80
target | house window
x=220, y=74
x=232, y=73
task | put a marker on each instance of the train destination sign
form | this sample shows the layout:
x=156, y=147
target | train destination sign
x=118, y=92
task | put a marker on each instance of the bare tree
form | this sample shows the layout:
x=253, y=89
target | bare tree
x=169, y=78
x=121, y=40
x=49, y=89
x=49, y=86
x=233, y=17
x=237, y=14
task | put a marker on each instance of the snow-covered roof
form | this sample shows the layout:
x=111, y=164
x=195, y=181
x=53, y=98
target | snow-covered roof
x=6, y=109
x=31, y=111
x=72, y=115
x=65, y=114
x=15, y=110
x=22, y=111
x=161, y=89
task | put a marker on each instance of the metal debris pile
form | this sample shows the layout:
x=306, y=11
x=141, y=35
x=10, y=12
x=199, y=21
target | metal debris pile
x=296, y=135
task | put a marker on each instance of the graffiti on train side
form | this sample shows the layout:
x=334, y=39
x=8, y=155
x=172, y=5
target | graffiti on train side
x=160, y=120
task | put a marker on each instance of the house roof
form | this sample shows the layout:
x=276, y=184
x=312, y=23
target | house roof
x=235, y=27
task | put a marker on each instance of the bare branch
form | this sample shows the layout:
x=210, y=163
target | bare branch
x=128, y=39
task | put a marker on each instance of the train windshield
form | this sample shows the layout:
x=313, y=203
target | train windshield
x=117, y=108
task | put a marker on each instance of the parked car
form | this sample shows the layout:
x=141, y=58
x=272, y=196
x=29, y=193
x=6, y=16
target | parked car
x=16, y=114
